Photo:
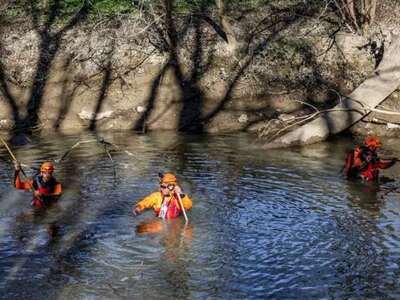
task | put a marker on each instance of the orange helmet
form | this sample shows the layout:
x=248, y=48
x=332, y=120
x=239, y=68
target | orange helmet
x=168, y=178
x=47, y=166
x=372, y=142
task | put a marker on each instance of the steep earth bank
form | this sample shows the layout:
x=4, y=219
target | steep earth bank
x=118, y=73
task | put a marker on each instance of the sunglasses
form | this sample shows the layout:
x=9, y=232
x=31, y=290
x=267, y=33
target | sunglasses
x=169, y=186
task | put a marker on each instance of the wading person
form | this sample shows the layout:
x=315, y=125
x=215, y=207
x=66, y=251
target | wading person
x=166, y=203
x=364, y=163
x=46, y=189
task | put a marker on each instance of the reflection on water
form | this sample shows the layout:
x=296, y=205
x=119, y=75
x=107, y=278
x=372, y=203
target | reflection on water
x=277, y=224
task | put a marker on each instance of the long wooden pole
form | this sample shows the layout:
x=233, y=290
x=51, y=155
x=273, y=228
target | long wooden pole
x=14, y=158
x=183, y=208
x=8, y=149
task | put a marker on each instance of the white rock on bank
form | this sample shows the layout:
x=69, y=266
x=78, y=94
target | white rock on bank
x=5, y=123
x=86, y=115
x=392, y=126
x=140, y=109
x=286, y=117
x=243, y=118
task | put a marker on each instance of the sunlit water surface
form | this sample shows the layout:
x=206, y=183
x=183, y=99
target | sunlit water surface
x=276, y=224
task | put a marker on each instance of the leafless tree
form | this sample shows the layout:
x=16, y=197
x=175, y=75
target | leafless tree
x=226, y=25
x=358, y=15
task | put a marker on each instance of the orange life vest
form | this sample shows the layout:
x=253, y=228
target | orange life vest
x=364, y=163
x=172, y=208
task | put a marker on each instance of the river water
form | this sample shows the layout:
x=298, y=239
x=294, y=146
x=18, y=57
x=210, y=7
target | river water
x=276, y=224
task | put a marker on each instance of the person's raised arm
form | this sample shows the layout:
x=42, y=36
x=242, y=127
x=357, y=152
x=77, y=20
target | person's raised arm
x=387, y=163
x=18, y=183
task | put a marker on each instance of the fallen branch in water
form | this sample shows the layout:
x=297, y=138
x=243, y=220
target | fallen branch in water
x=102, y=141
x=267, y=131
x=297, y=122
x=371, y=92
x=70, y=149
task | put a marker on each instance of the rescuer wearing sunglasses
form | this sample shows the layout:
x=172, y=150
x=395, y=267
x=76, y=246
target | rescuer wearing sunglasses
x=165, y=203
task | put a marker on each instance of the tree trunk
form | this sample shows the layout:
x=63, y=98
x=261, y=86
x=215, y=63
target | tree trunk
x=226, y=26
x=372, y=11
x=375, y=89
x=357, y=14
x=349, y=8
x=369, y=16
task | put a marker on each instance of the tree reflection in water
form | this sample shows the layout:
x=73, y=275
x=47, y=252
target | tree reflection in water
x=176, y=237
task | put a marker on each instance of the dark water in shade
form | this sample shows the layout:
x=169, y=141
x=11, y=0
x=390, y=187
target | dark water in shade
x=276, y=224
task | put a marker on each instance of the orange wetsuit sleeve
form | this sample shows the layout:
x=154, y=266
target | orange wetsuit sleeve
x=57, y=190
x=187, y=202
x=149, y=202
x=22, y=185
x=386, y=163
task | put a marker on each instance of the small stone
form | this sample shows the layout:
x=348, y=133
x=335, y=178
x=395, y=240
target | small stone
x=285, y=117
x=243, y=118
x=86, y=115
x=140, y=109
x=392, y=126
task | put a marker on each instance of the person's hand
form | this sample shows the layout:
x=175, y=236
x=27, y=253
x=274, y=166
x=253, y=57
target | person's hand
x=17, y=166
x=178, y=190
x=37, y=194
x=136, y=210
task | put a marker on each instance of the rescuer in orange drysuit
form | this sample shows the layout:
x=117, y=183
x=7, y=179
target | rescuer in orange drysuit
x=165, y=202
x=364, y=163
x=46, y=189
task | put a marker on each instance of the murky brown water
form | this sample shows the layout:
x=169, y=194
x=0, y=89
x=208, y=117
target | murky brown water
x=276, y=224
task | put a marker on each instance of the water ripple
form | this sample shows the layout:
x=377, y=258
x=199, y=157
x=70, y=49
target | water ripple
x=265, y=225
